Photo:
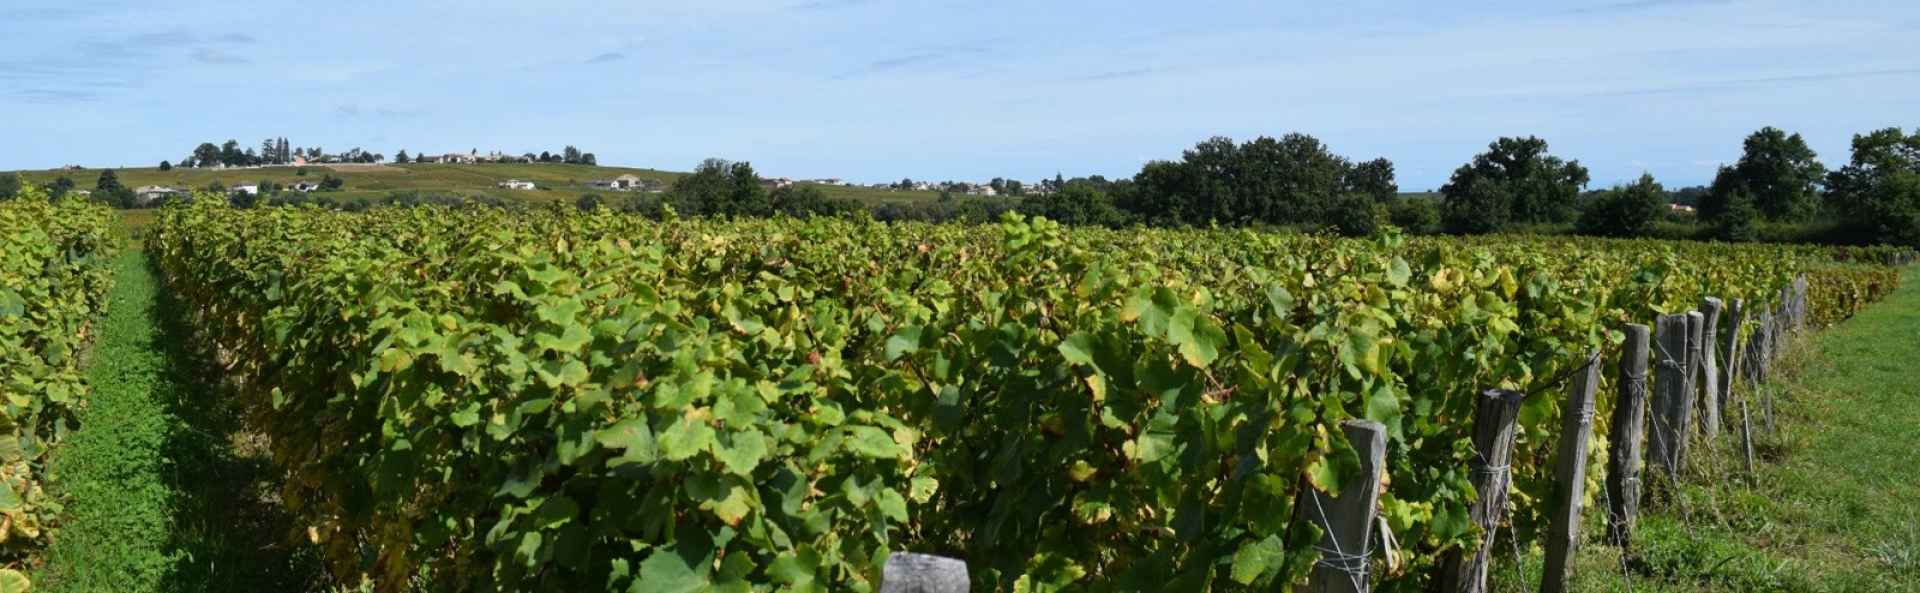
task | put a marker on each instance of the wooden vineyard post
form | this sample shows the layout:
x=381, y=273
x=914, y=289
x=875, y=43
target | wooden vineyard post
x=1756, y=346
x=1570, y=476
x=1629, y=421
x=1730, y=375
x=1346, y=520
x=1710, y=369
x=1769, y=334
x=1800, y=312
x=921, y=573
x=1493, y=424
x=1771, y=321
x=1696, y=326
x=1746, y=435
x=1669, y=428
x=1786, y=306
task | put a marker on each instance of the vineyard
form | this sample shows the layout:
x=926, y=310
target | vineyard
x=53, y=281
x=561, y=401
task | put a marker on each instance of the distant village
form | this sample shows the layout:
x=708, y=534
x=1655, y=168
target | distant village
x=278, y=152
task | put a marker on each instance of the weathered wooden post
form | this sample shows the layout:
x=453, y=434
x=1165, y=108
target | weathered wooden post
x=1493, y=423
x=1346, y=520
x=921, y=573
x=1570, y=476
x=1730, y=374
x=1670, y=417
x=1696, y=327
x=1800, y=312
x=1710, y=369
x=1768, y=337
x=1629, y=421
x=1763, y=339
x=1786, y=306
x=1746, y=435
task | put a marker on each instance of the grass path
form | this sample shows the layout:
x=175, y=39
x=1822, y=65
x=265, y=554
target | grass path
x=1834, y=501
x=160, y=498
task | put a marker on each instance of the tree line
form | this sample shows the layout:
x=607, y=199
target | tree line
x=1516, y=185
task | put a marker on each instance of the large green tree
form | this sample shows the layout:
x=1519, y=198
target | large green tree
x=1294, y=179
x=206, y=155
x=1514, y=182
x=1878, y=192
x=1625, y=211
x=1777, y=170
x=1079, y=203
x=721, y=188
x=230, y=154
x=108, y=181
x=1375, y=179
x=10, y=185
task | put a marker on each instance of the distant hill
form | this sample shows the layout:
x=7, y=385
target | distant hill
x=557, y=182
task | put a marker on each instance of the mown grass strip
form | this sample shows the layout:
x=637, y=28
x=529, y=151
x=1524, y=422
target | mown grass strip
x=114, y=472
x=158, y=496
x=1833, y=505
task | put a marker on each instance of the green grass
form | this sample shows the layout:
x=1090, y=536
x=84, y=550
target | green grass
x=1834, y=501
x=163, y=491
x=558, y=181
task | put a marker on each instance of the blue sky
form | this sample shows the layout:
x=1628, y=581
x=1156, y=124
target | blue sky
x=873, y=90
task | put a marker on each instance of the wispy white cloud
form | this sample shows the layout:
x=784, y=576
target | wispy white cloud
x=209, y=55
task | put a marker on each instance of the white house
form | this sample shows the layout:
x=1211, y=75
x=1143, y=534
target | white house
x=252, y=189
x=627, y=182
x=516, y=184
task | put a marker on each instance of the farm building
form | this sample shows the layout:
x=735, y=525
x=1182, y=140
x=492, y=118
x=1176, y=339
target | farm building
x=516, y=184
x=252, y=189
x=148, y=194
x=628, y=182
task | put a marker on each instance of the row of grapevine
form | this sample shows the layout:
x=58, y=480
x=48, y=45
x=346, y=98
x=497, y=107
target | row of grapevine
x=563, y=401
x=54, y=277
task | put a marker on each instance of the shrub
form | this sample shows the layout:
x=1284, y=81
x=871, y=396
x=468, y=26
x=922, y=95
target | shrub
x=1736, y=220
x=1356, y=215
x=1627, y=211
x=1415, y=215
